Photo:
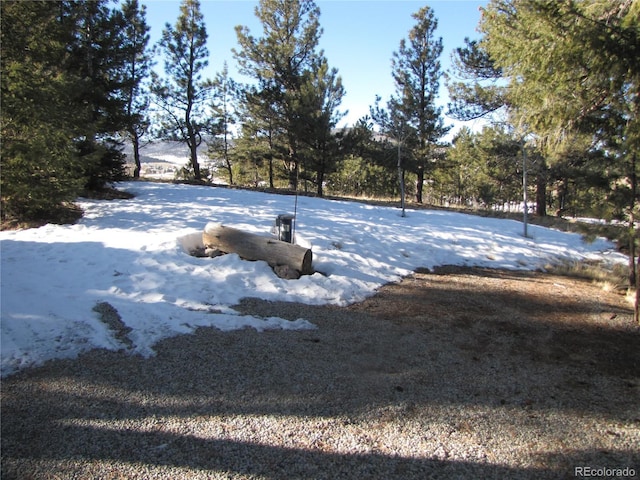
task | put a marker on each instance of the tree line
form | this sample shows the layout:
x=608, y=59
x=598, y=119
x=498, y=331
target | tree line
x=557, y=83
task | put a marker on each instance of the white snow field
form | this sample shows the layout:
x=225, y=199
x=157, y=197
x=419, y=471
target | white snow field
x=133, y=254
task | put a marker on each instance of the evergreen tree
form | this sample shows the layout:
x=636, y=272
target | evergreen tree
x=321, y=96
x=137, y=65
x=182, y=95
x=280, y=60
x=579, y=182
x=40, y=114
x=502, y=151
x=395, y=128
x=224, y=117
x=367, y=168
x=416, y=73
x=478, y=92
x=484, y=168
x=461, y=178
x=63, y=104
x=96, y=60
x=574, y=65
x=262, y=143
x=481, y=92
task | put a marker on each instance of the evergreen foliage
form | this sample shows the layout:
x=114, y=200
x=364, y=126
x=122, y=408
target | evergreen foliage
x=416, y=73
x=475, y=90
x=136, y=72
x=368, y=165
x=572, y=65
x=481, y=170
x=66, y=96
x=96, y=61
x=321, y=95
x=261, y=147
x=37, y=152
x=224, y=114
x=297, y=91
x=182, y=94
x=411, y=117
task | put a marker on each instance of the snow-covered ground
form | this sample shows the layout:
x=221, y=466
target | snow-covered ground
x=133, y=255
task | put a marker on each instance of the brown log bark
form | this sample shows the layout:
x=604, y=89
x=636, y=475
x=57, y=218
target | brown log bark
x=256, y=247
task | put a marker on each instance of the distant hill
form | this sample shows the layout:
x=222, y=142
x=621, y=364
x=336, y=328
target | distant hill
x=161, y=158
x=164, y=151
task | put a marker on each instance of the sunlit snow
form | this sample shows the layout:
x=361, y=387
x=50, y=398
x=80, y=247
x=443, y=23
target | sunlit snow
x=133, y=254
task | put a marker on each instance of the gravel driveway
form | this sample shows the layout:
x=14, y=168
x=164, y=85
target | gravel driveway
x=455, y=374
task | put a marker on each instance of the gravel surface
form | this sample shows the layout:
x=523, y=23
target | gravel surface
x=459, y=374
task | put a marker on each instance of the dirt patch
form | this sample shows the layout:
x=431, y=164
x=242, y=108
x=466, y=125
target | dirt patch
x=458, y=373
x=547, y=317
x=112, y=319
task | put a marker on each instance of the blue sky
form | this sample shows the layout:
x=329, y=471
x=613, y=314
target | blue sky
x=359, y=38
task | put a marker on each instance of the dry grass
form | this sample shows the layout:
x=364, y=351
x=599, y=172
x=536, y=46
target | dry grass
x=613, y=278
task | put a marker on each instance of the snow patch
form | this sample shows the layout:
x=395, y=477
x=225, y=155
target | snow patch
x=190, y=242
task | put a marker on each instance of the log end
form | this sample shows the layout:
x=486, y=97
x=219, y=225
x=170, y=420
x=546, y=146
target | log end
x=307, y=260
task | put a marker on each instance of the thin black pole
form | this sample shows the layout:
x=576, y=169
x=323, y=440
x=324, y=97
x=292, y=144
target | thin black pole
x=524, y=188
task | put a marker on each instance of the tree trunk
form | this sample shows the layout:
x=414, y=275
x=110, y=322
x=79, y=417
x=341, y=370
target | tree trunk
x=256, y=247
x=636, y=310
x=401, y=179
x=227, y=160
x=271, y=184
x=419, y=184
x=191, y=133
x=293, y=174
x=193, y=148
x=563, y=193
x=320, y=179
x=135, y=141
x=293, y=166
x=541, y=195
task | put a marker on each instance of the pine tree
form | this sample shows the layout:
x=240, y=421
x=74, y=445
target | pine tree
x=262, y=140
x=40, y=166
x=476, y=91
x=481, y=92
x=416, y=73
x=395, y=128
x=364, y=169
x=96, y=60
x=279, y=60
x=321, y=95
x=63, y=105
x=460, y=178
x=224, y=117
x=573, y=65
x=137, y=64
x=182, y=95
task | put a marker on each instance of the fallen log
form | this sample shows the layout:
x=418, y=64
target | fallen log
x=256, y=247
